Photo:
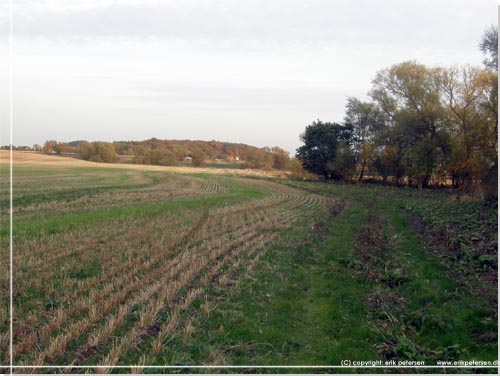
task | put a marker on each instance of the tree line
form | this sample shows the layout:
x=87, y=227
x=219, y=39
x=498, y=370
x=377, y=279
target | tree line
x=422, y=126
x=174, y=152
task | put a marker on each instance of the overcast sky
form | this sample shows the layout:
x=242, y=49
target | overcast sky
x=253, y=71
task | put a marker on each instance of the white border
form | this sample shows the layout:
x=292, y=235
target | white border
x=11, y=248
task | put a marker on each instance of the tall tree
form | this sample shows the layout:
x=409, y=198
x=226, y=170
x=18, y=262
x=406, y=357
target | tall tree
x=366, y=119
x=409, y=95
x=320, y=145
x=489, y=82
x=489, y=47
x=473, y=126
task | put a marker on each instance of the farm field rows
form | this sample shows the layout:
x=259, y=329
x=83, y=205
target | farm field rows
x=103, y=253
x=129, y=266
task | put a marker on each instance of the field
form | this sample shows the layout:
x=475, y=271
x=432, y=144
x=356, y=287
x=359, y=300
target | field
x=143, y=265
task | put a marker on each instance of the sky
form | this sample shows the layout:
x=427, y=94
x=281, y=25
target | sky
x=253, y=71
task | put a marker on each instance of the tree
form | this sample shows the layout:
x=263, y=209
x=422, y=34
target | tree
x=261, y=159
x=102, y=152
x=320, y=145
x=472, y=124
x=366, y=119
x=388, y=162
x=61, y=147
x=281, y=158
x=48, y=146
x=409, y=95
x=167, y=159
x=343, y=166
x=489, y=47
x=198, y=158
x=141, y=155
x=160, y=157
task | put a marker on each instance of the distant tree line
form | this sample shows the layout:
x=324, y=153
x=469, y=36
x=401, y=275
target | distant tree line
x=423, y=125
x=174, y=152
x=22, y=148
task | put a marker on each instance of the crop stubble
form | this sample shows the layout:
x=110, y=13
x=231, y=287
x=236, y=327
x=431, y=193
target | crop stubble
x=117, y=281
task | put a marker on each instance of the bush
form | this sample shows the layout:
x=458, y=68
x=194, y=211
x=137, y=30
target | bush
x=297, y=171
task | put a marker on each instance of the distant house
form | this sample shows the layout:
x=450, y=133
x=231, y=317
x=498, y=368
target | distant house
x=237, y=158
x=188, y=158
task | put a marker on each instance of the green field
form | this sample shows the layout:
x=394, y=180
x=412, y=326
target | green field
x=118, y=266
